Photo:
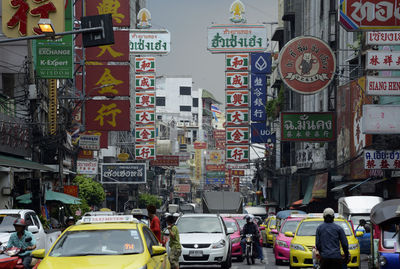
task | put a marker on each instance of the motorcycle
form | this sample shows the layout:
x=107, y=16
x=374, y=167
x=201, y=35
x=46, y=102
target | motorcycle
x=9, y=258
x=250, y=252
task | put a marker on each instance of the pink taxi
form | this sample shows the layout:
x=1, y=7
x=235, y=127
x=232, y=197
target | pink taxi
x=282, y=242
x=235, y=237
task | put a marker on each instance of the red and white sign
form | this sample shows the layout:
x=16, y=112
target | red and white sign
x=381, y=119
x=237, y=153
x=145, y=82
x=307, y=64
x=383, y=38
x=369, y=14
x=381, y=159
x=145, y=116
x=145, y=99
x=237, y=116
x=237, y=135
x=165, y=160
x=237, y=80
x=145, y=65
x=145, y=133
x=200, y=145
x=382, y=85
x=145, y=152
x=237, y=98
x=86, y=167
x=182, y=188
x=382, y=60
x=237, y=62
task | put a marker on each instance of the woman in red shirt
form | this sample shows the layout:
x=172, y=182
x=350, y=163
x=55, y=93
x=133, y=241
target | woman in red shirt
x=154, y=222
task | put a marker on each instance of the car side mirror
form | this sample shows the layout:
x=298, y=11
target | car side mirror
x=289, y=234
x=33, y=229
x=262, y=228
x=230, y=230
x=359, y=233
x=158, y=250
x=274, y=231
x=39, y=253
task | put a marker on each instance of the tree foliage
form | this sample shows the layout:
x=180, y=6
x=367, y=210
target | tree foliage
x=146, y=199
x=90, y=191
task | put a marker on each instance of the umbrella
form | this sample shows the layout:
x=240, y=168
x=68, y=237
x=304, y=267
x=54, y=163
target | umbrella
x=51, y=196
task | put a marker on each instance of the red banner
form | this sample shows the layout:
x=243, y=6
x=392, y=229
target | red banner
x=119, y=10
x=107, y=80
x=164, y=160
x=108, y=115
x=118, y=52
x=85, y=154
x=200, y=145
x=237, y=172
x=71, y=190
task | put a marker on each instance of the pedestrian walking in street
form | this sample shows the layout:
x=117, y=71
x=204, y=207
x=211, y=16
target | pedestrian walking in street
x=328, y=240
x=175, y=248
x=155, y=225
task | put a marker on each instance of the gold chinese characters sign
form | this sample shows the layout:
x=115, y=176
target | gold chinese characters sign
x=20, y=17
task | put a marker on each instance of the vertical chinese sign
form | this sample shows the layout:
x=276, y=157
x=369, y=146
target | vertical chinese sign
x=198, y=148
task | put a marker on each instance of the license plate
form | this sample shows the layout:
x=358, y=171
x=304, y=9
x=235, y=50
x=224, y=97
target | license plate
x=195, y=253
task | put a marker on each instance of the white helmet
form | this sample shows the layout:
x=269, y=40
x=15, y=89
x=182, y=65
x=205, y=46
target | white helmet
x=249, y=216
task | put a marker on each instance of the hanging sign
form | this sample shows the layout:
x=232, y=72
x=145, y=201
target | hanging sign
x=145, y=99
x=145, y=82
x=382, y=60
x=86, y=167
x=215, y=157
x=107, y=80
x=237, y=38
x=123, y=173
x=261, y=63
x=118, y=52
x=237, y=98
x=145, y=133
x=237, y=135
x=145, y=65
x=147, y=41
x=307, y=64
x=237, y=116
x=382, y=85
x=237, y=80
x=165, y=160
x=382, y=159
x=381, y=119
x=107, y=115
x=237, y=153
x=236, y=62
x=119, y=9
x=261, y=133
x=145, y=116
x=145, y=152
x=258, y=97
x=389, y=38
x=91, y=142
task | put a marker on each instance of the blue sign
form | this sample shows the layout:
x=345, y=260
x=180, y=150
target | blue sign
x=215, y=180
x=258, y=97
x=261, y=133
x=261, y=63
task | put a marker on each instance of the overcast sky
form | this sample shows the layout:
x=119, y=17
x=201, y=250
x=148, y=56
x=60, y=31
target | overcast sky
x=187, y=21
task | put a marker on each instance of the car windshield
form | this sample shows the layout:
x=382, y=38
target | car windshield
x=290, y=226
x=388, y=236
x=98, y=242
x=309, y=228
x=199, y=225
x=7, y=221
x=272, y=222
x=231, y=224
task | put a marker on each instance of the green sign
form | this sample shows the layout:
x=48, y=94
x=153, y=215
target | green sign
x=55, y=58
x=318, y=126
x=215, y=174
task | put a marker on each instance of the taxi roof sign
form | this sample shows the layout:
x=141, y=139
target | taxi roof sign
x=298, y=215
x=108, y=219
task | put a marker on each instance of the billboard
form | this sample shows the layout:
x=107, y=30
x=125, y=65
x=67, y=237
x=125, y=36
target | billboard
x=383, y=38
x=91, y=142
x=86, y=167
x=123, y=173
x=117, y=52
x=381, y=119
x=382, y=159
x=149, y=41
x=107, y=80
x=108, y=115
x=165, y=160
x=182, y=188
x=382, y=85
x=119, y=9
x=382, y=60
x=215, y=157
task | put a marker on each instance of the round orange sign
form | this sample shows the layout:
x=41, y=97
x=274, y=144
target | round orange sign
x=307, y=64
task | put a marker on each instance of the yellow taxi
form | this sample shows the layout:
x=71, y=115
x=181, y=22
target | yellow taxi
x=268, y=236
x=105, y=242
x=304, y=241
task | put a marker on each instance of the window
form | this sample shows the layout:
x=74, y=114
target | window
x=185, y=90
x=159, y=117
x=160, y=101
x=151, y=240
x=185, y=108
x=195, y=102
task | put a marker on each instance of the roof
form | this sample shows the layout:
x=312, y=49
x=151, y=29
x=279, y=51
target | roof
x=9, y=161
x=206, y=94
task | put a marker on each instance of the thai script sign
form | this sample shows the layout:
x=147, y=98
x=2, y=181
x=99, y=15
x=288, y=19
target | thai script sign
x=369, y=15
x=123, y=173
x=145, y=65
x=86, y=167
x=145, y=82
x=117, y=52
x=237, y=153
x=258, y=97
x=261, y=133
x=237, y=135
x=237, y=38
x=182, y=188
x=148, y=41
x=145, y=151
x=307, y=64
x=237, y=98
x=145, y=133
x=383, y=38
x=307, y=126
x=236, y=62
x=91, y=142
x=384, y=159
x=261, y=63
x=107, y=80
x=145, y=116
x=382, y=85
x=237, y=116
x=382, y=60
x=165, y=160
x=145, y=99
x=108, y=115
x=381, y=119
x=237, y=80
x=21, y=17
x=119, y=9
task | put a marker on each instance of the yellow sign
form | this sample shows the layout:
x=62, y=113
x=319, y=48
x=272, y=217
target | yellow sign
x=123, y=157
x=197, y=164
x=237, y=10
x=52, y=116
x=21, y=17
x=143, y=18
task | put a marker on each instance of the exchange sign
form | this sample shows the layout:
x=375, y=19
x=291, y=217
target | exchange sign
x=237, y=38
x=147, y=41
x=237, y=62
x=307, y=64
x=307, y=126
x=237, y=98
x=123, y=173
x=237, y=80
x=108, y=115
x=237, y=153
x=381, y=159
x=237, y=135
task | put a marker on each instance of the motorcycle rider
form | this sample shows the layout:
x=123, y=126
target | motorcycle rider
x=251, y=228
x=18, y=240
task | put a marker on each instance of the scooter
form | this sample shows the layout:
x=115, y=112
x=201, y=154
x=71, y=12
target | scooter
x=250, y=251
x=9, y=258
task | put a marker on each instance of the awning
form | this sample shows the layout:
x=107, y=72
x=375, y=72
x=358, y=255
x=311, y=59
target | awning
x=345, y=185
x=51, y=196
x=359, y=184
x=308, y=193
x=22, y=163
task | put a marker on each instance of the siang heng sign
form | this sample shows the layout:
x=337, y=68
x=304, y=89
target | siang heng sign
x=382, y=85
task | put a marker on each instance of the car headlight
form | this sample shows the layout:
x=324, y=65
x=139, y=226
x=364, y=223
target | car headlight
x=353, y=246
x=281, y=243
x=382, y=261
x=236, y=240
x=219, y=244
x=297, y=247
